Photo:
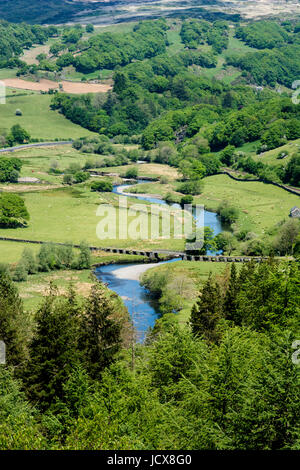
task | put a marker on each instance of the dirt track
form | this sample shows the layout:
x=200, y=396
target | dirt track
x=46, y=85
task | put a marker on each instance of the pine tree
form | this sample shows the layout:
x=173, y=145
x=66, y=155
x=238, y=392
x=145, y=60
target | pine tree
x=229, y=306
x=18, y=426
x=268, y=417
x=101, y=334
x=207, y=311
x=53, y=351
x=12, y=329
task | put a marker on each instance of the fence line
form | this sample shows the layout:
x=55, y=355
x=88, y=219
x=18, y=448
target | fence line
x=153, y=255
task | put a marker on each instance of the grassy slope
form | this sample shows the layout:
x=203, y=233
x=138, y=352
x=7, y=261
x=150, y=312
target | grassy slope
x=261, y=205
x=69, y=215
x=11, y=252
x=37, y=161
x=198, y=272
x=38, y=119
x=154, y=170
x=221, y=72
x=7, y=73
x=270, y=157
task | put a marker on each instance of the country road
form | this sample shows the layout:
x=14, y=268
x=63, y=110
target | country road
x=38, y=144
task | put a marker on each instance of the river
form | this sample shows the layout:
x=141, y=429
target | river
x=124, y=278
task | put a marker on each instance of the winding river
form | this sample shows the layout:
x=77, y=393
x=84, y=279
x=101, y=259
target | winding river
x=124, y=278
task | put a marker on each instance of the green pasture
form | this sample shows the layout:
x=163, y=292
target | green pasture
x=69, y=215
x=38, y=119
x=270, y=157
x=261, y=205
x=196, y=272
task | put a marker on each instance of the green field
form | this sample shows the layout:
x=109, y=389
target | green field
x=38, y=119
x=176, y=45
x=152, y=170
x=37, y=161
x=33, y=291
x=270, y=157
x=69, y=215
x=193, y=273
x=261, y=205
x=11, y=252
x=227, y=73
x=7, y=73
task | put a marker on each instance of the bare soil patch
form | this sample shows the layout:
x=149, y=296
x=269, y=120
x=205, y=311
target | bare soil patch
x=68, y=87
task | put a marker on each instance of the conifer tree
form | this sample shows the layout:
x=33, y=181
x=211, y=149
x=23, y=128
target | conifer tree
x=100, y=333
x=53, y=351
x=11, y=318
x=207, y=311
x=229, y=306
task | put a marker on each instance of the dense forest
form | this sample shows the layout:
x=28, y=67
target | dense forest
x=226, y=380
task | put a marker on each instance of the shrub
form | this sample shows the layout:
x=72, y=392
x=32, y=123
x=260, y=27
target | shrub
x=132, y=173
x=81, y=176
x=170, y=198
x=68, y=179
x=20, y=273
x=102, y=186
x=188, y=199
x=193, y=187
x=9, y=169
x=163, y=180
x=29, y=261
x=229, y=214
x=47, y=258
x=14, y=176
x=73, y=168
x=13, y=212
x=84, y=258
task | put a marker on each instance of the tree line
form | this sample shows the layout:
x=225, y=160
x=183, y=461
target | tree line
x=76, y=382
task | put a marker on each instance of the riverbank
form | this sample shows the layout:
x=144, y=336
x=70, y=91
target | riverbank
x=134, y=273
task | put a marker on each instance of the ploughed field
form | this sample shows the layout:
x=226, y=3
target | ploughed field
x=46, y=85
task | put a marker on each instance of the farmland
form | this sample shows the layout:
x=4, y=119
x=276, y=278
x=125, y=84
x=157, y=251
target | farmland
x=38, y=119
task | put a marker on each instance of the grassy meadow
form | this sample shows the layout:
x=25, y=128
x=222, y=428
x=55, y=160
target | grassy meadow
x=270, y=157
x=190, y=276
x=70, y=215
x=261, y=205
x=37, y=161
x=153, y=170
x=38, y=119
